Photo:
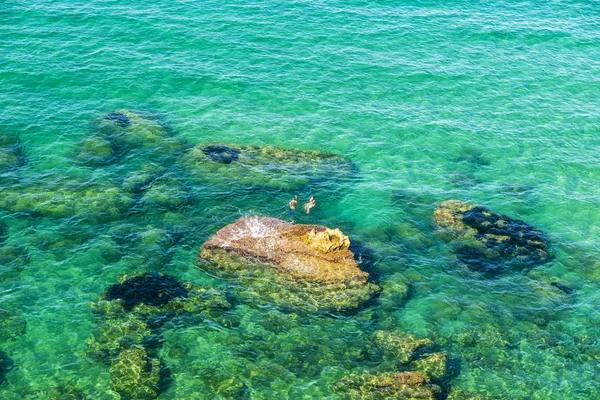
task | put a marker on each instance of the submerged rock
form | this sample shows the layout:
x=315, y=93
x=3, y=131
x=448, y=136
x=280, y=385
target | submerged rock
x=12, y=261
x=434, y=365
x=147, y=246
x=129, y=314
x=135, y=375
x=401, y=346
x=387, y=385
x=11, y=325
x=129, y=130
x=488, y=242
x=96, y=151
x=11, y=154
x=305, y=266
x=268, y=166
x=62, y=198
x=6, y=364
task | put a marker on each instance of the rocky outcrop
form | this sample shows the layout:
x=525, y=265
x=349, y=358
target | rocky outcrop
x=488, y=242
x=267, y=166
x=307, y=265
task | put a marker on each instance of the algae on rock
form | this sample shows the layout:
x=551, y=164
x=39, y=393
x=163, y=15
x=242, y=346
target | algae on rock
x=129, y=314
x=399, y=345
x=387, y=385
x=135, y=375
x=62, y=198
x=267, y=166
x=488, y=242
x=11, y=154
x=11, y=325
x=12, y=261
x=131, y=130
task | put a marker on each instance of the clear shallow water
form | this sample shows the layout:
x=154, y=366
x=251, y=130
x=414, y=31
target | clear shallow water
x=490, y=103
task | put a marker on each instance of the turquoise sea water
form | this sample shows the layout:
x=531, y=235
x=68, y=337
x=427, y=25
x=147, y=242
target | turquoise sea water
x=494, y=103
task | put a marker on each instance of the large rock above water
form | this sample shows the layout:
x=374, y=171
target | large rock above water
x=301, y=266
x=489, y=242
x=267, y=166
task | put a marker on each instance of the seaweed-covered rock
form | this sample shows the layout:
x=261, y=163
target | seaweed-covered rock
x=61, y=198
x=457, y=393
x=394, y=292
x=11, y=325
x=402, y=346
x=12, y=261
x=306, y=266
x=489, y=242
x=154, y=298
x=129, y=131
x=165, y=192
x=148, y=246
x=96, y=150
x=129, y=315
x=11, y=154
x=6, y=365
x=268, y=166
x=433, y=364
x=135, y=375
x=112, y=335
x=387, y=385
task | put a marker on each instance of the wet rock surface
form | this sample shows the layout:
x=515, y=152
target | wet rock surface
x=488, y=242
x=309, y=258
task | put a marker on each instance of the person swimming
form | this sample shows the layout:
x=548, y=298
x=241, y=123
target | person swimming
x=311, y=203
x=293, y=202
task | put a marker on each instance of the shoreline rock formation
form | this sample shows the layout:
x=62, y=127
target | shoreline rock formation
x=305, y=266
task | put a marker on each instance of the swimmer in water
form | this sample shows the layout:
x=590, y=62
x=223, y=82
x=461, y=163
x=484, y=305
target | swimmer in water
x=311, y=203
x=293, y=203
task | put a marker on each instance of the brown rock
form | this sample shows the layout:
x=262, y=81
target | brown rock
x=306, y=267
x=311, y=252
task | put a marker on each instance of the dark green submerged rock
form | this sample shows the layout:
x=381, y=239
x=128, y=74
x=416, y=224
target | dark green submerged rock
x=267, y=166
x=387, y=385
x=118, y=133
x=488, y=242
x=6, y=364
x=63, y=197
x=11, y=151
x=11, y=325
x=129, y=314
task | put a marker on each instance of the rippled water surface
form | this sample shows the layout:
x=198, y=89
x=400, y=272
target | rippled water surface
x=494, y=103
